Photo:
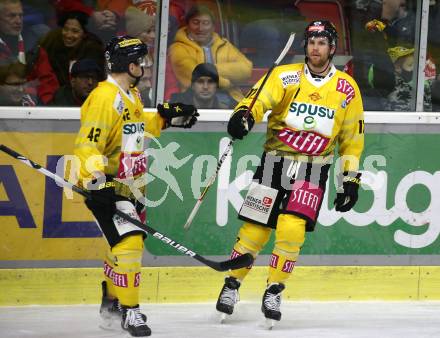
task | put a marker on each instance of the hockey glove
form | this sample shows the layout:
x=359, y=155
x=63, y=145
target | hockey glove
x=240, y=123
x=103, y=197
x=375, y=26
x=178, y=114
x=347, y=195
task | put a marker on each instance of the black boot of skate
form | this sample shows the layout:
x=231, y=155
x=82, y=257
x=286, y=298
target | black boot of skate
x=134, y=321
x=271, y=303
x=110, y=311
x=228, y=296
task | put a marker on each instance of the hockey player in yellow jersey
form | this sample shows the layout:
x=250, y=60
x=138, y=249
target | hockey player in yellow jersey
x=110, y=146
x=314, y=107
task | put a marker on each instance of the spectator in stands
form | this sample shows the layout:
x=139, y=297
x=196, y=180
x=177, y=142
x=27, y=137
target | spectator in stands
x=71, y=42
x=371, y=65
x=198, y=43
x=104, y=22
x=396, y=23
x=84, y=77
x=142, y=26
x=14, y=47
x=204, y=92
x=13, y=85
x=403, y=96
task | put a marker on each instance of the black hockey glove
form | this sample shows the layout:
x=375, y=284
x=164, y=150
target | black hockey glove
x=239, y=125
x=347, y=195
x=178, y=114
x=103, y=197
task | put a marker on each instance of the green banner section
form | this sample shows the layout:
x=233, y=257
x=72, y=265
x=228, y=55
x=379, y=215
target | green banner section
x=398, y=211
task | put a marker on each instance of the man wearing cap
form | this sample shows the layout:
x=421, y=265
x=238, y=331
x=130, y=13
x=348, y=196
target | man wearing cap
x=84, y=77
x=204, y=92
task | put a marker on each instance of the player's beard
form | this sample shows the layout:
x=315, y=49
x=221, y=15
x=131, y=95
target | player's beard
x=321, y=63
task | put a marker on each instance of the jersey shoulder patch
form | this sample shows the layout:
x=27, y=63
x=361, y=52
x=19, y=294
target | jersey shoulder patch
x=118, y=103
x=344, y=86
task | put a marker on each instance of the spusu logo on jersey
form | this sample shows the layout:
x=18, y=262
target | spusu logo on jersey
x=309, y=116
x=299, y=108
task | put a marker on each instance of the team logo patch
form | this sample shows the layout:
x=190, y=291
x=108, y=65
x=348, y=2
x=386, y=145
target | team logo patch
x=343, y=86
x=315, y=96
x=290, y=78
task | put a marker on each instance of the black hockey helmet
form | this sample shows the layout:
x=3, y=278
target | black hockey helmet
x=321, y=28
x=123, y=50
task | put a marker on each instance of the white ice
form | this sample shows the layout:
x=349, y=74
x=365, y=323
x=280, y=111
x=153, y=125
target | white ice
x=300, y=319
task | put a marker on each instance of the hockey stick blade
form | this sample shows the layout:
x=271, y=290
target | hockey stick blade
x=229, y=146
x=236, y=263
x=232, y=264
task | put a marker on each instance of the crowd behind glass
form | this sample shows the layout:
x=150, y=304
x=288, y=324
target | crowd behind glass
x=52, y=52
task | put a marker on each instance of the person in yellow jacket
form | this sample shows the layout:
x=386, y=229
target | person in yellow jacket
x=110, y=147
x=197, y=43
x=314, y=107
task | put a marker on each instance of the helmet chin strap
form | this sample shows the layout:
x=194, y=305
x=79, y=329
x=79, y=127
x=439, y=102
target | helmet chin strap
x=137, y=78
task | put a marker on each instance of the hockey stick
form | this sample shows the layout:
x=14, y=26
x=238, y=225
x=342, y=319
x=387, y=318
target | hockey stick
x=236, y=263
x=231, y=142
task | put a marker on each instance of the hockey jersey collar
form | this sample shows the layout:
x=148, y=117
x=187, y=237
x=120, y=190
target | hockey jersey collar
x=319, y=82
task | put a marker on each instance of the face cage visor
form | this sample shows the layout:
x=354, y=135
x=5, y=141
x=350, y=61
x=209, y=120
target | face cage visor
x=144, y=61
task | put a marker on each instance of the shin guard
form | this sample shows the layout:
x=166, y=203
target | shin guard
x=251, y=239
x=289, y=238
x=123, y=269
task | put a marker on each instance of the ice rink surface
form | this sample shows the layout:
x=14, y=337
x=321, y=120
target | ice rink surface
x=300, y=319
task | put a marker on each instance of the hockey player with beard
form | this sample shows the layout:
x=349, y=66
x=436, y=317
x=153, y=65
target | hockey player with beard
x=314, y=107
x=110, y=145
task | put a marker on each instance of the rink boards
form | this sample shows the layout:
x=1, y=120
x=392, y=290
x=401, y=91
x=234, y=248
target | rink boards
x=200, y=284
x=388, y=248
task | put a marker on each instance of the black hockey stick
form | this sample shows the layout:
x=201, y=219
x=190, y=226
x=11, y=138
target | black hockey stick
x=231, y=142
x=236, y=263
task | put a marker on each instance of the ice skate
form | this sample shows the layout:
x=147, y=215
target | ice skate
x=134, y=322
x=271, y=304
x=228, y=298
x=110, y=311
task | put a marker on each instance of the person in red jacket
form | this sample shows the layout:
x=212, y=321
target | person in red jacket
x=14, y=48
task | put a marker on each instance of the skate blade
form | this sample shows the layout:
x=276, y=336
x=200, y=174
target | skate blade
x=110, y=325
x=269, y=324
x=223, y=317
